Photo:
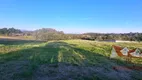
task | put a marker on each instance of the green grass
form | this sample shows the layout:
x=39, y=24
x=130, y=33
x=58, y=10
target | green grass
x=88, y=59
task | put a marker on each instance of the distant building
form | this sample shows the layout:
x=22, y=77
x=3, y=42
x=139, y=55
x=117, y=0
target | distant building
x=109, y=40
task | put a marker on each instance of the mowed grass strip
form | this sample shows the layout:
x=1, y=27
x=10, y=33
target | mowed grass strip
x=26, y=57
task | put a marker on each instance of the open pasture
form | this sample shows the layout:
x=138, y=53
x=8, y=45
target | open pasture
x=64, y=60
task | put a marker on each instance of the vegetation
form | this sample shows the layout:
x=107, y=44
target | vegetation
x=113, y=36
x=65, y=56
x=9, y=31
x=47, y=34
x=63, y=60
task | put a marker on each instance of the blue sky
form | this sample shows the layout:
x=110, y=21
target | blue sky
x=73, y=16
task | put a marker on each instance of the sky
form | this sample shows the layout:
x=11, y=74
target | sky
x=73, y=16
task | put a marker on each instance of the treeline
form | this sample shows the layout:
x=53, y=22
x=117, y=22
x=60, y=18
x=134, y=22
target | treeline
x=9, y=31
x=52, y=34
x=112, y=36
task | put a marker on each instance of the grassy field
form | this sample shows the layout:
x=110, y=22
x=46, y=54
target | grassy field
x=64, y=60
x=16, y=37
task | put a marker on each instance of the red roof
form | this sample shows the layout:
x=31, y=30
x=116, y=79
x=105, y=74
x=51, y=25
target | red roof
x=118, y=51
x=132, y=55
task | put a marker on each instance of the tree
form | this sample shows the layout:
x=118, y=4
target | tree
x=48, y=34
x=6, y=31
